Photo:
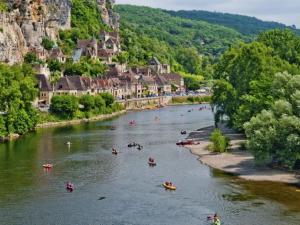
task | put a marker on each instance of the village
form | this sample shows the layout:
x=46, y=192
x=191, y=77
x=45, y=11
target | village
x=123, y=82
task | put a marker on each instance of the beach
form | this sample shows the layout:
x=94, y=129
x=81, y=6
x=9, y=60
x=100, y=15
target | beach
x=237, y=162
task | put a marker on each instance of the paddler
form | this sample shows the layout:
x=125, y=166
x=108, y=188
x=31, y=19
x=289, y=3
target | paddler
x=216, y=220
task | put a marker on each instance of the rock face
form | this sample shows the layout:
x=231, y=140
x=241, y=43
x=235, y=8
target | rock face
x=27, y=22
x=109, y=17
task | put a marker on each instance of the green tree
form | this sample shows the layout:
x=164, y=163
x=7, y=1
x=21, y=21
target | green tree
x=64, y=106
x=108, y=98
x=31, y=58
x=47, y=43
x=220, y=143
x=100, y=103
x=88, y=102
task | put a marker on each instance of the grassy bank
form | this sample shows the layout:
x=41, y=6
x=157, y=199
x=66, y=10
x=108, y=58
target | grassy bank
x=191, y=99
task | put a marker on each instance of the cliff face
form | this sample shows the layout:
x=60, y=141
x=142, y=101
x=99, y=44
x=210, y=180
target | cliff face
x=109, y=17
x=27, y=22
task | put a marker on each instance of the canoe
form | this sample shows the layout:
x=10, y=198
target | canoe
x=172, y=188
x=47, y=166
x=152, y=163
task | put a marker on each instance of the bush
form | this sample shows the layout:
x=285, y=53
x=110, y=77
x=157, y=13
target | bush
x=47, y=43
x=99, y=103
x=108, y=98
x=220, y=143
x=64, y=106
x=88, y=102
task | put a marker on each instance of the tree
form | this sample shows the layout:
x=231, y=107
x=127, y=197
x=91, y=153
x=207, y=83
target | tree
x=64, y=106
x=54, y=65
x=88, y=102
x=108, y=98
x=31, y=58
x=220, y=143
x=99, y=103
x=47, y=43
x=250, y=69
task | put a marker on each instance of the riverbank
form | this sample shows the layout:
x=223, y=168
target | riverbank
x=79, y=121
x=237, y=162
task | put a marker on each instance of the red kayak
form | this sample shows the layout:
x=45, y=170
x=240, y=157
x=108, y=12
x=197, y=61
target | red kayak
x=48, y=166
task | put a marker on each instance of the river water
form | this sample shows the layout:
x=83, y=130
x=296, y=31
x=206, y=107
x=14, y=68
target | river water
x=122, y=189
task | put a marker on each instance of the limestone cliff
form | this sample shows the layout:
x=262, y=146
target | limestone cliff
x=27, y=22
x=109, y=17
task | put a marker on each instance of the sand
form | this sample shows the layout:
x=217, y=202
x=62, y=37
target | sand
x=237, y=162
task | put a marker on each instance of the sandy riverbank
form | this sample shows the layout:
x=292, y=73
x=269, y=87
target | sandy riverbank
x=237, y=162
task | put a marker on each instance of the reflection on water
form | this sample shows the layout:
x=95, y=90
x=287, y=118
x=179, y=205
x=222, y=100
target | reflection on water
x=123, y=189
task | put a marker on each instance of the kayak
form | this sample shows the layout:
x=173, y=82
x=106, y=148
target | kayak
x=172, y=188
x=70, y=187
x=188, y=142
x=152, y=163
x=298, y=190
x=47, y=166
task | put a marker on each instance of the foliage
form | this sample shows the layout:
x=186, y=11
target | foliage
x=86, y=22
x=54, y=65
x=192, y=82
x=88, y=102
x=86, y=66
x=274, y=134
x=31, y=58
x=47, y=43
x=245, y=74
x=220, y=143
x=191, y=99
x=108, y=98
x=3, y=6
x=64, y=106
x=16, y=99
x=285, y=44
x=236, y=22
x=188, y=46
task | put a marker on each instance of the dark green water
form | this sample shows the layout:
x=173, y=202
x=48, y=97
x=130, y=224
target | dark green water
x=129, y=190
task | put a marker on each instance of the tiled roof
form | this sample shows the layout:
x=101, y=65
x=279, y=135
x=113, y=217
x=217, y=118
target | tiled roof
x=44, y=84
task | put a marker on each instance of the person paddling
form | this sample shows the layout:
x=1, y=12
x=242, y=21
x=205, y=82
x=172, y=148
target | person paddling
x=216, y=220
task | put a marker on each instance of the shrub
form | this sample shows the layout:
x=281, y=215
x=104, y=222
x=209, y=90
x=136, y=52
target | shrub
x=88, y=102
x=47, y=43
x=108, y=98
x=220, y=143
x=64, y=106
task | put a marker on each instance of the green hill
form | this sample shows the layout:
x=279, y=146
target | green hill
x=158, y=24
x=243, y=24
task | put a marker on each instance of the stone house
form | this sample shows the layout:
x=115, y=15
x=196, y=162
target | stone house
x=57, y=54
x=163, y=86
x=110, y=40
x=175, y=80
x=149, y=85
x=134, y=87
x=45, y=90
x=157, y=67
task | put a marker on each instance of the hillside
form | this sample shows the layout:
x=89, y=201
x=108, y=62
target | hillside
x=243, y=24
x=158, y=24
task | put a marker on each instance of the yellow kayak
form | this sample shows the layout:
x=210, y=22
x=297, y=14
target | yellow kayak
x=173, y=188
x=298, y=190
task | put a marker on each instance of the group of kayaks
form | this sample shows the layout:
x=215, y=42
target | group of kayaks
x=134, y=144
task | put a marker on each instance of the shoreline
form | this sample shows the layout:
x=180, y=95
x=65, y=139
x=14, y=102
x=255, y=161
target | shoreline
x=236, y=162
x=80, y=121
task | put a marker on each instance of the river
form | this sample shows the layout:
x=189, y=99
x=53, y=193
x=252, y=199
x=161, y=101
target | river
x=122, y=189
